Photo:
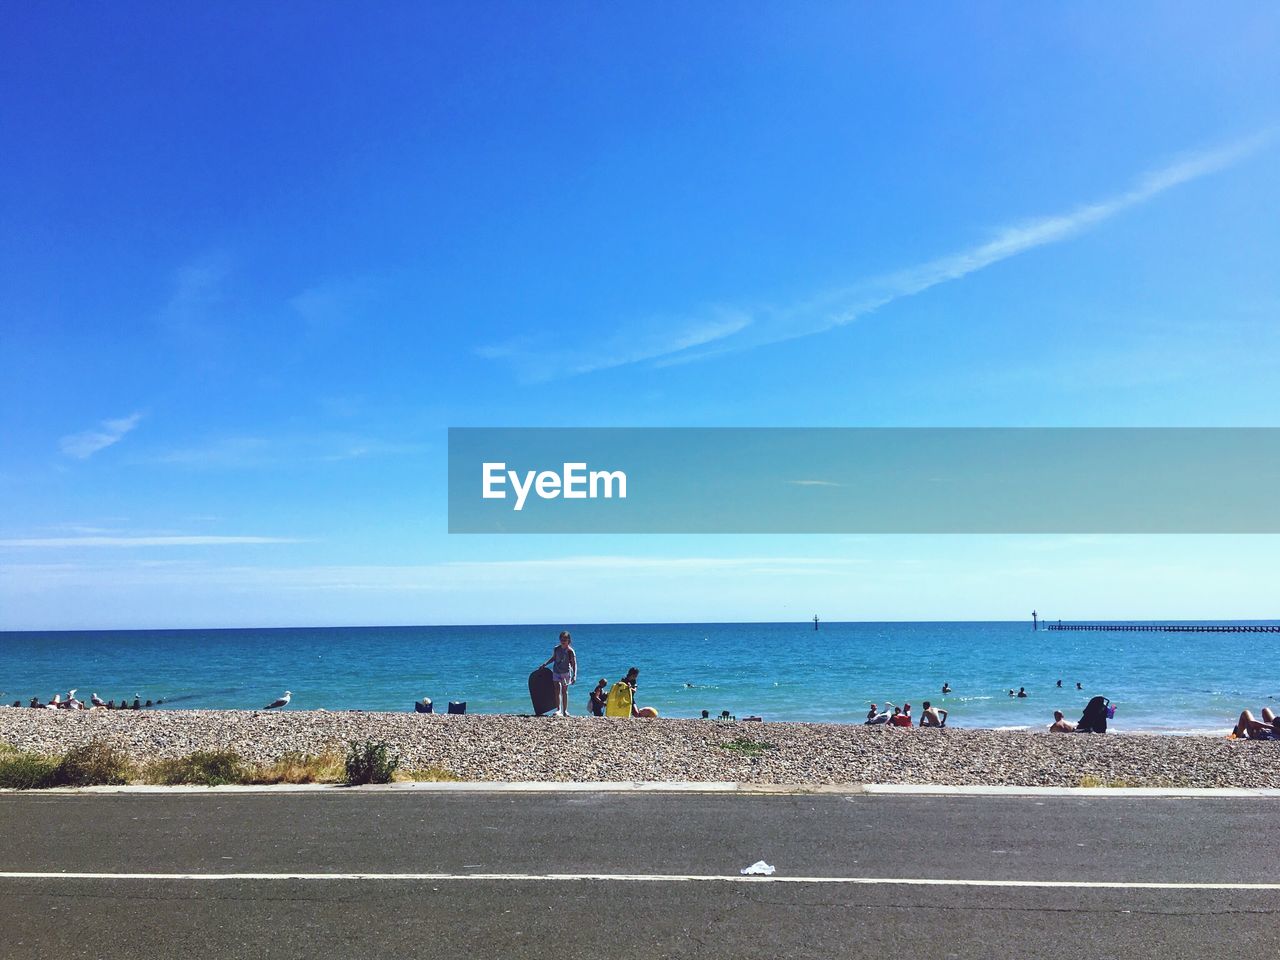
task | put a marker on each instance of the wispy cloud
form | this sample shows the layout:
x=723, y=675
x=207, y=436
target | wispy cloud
x=86, y=444
x=433, y=578
x=260, y=452
x=815, y=483
x=337, y=303
x=125, y=541
x=709, y=336
x=221, y=452
x=198, y=296
x=536, y=363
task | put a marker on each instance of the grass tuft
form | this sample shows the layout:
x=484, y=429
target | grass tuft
x=301, y=768
x=1089, y=780
x=99, y=764
x=27, y=771
x=370, y=761
x=747, y=746
x=210, y=768
x=427, y=775
x=95, y=764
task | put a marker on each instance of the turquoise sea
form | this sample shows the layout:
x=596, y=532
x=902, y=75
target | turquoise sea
x=781, y=671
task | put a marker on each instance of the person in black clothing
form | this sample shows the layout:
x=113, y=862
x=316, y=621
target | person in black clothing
x=599, y=696
x=1094, y=718
x=631, y=679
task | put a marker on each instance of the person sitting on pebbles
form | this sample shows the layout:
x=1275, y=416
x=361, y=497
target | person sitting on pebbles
x=1061, y=724
x=932, y=716
x=876, y=717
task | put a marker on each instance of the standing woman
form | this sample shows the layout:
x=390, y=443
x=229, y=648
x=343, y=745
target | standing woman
x=631, y=679
x=564, y=670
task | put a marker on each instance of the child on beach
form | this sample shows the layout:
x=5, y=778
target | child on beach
x=564, y=670
x=599, y=696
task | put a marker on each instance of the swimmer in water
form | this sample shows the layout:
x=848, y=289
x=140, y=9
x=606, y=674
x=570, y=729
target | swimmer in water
x=946, y=688
x=1059, y=684
x=1022, y=692
x=1078, y=687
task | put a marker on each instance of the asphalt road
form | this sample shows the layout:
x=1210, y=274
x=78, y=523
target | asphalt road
x=540, y=845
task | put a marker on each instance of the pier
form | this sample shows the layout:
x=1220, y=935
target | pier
x=1168, y=627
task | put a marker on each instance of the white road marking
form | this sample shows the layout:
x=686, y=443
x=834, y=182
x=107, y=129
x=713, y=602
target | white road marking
x=652, y=878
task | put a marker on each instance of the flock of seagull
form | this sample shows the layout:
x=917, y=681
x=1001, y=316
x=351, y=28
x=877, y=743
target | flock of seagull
x=95, y=701
x=71, y=703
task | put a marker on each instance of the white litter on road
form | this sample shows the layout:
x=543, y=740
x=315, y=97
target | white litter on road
x=757, y=869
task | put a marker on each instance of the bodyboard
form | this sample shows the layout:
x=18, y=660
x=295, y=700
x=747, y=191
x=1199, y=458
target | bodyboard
x=543, y=691
x=619, y=702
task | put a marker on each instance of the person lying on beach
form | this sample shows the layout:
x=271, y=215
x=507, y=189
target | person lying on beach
x=1061, y=724
x=929, y=717
x=1247, y=728
x=876, y=716
x=565, y=670
x=598, y=698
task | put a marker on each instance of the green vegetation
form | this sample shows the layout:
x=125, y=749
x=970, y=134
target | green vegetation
x=295, y=767
x=27, y=771
x=96, y=764
x=370, y=761
x=747, y=746
x=210, y=768
x=90, y=765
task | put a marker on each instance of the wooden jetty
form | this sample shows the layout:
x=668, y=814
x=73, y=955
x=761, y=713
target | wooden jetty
x=1167, y=627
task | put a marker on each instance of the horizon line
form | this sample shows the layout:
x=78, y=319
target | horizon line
x=563, y=624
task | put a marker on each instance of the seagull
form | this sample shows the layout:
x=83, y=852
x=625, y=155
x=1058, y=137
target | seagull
x=282, y=702
x=96, y=700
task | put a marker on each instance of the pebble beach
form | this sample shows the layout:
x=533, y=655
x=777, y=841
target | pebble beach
x=514, y=748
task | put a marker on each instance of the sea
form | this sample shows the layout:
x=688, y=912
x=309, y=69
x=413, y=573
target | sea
x=1159, y=682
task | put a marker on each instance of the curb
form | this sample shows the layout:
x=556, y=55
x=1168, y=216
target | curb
x=679, y=787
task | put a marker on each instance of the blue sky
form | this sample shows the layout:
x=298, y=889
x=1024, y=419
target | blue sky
x=254, y=262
